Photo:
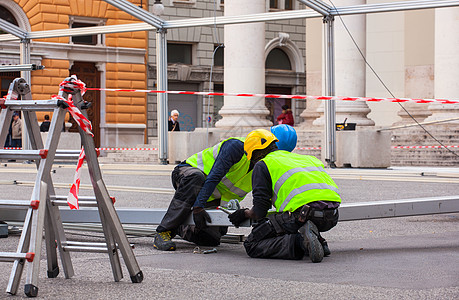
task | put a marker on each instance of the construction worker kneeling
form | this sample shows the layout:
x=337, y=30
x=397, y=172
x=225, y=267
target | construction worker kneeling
x=208, y=179
x=305, y=198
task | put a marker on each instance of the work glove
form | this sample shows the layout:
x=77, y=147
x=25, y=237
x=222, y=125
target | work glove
x=200, y=216
x=238, y=217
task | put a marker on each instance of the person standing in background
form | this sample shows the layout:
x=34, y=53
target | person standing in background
x=44, y=126
x=286, y=117
x=16, y=131
x=173, y=124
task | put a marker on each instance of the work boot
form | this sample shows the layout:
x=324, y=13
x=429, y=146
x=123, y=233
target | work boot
x=163, y=241
x=324, y=244
x=311, y=242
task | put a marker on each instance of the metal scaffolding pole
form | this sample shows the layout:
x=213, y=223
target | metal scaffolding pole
x=162, y=110
x=137, y=12
x=317, y=6
x=224, y=20
x=24, y=59
x=330, y=105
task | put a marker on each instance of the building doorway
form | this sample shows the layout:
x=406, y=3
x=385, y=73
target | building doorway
x=187, y=105
x=5, y=79
x=274, y=105
x=88, y=73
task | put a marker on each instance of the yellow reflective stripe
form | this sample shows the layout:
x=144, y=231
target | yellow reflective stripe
x=234, y=189
x=304, y=188
x=287, y=175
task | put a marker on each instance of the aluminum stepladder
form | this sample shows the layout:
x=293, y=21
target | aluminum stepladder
x=42, y=209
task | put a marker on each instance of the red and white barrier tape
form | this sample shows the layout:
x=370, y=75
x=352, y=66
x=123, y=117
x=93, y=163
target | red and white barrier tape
x=298, y=148
x=308, y=148
x=422, y=147
x=297, y=97
x=81, y=120
x=142, y=149
x=137, y=149
x=72, y=85
x=72, y=198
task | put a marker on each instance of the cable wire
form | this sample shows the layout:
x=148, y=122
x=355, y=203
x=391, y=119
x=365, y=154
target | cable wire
x=216, y=36
x=384, y=85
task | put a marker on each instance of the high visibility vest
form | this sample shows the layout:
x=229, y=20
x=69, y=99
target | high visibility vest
x=237, y=182
x=298, y=180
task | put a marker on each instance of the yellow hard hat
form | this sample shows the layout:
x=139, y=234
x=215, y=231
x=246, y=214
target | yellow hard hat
x=258, y=139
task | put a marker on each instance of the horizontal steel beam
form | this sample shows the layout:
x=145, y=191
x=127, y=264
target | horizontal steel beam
x=225, y=20
x=18, y=68
x=347, y=211
x=13, y=29
x=137, y=12
x=142, y=26
x=317, y=6
x=392, y=7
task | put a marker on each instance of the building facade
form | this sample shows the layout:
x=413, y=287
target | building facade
x=192, y=62
x=106, y=61
x=411, y=51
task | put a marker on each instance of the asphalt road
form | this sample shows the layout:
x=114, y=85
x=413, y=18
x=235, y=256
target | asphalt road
x=399, y=258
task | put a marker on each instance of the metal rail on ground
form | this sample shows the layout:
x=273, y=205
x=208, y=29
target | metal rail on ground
x=348, y=212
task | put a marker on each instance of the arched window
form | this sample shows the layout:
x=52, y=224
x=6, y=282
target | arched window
x=219, y=57
x=7, y=77
x=6, y=15
x=278, y=59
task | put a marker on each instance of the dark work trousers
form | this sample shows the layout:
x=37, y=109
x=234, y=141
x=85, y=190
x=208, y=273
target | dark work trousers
x=187, y=182
x=265, y=242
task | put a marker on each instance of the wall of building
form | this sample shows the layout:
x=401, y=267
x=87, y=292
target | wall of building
x=399, y=47
x=204, y=39
x=120, y=59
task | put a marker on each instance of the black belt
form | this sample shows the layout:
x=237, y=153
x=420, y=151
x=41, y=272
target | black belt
x=312, y=212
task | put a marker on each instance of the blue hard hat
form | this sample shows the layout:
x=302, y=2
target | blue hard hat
x=286, y=135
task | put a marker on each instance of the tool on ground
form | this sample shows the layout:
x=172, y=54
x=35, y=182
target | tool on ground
x=198, y=250
x=42, y=208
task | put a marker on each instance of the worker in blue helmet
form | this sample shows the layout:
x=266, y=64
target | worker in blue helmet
x=286, y=135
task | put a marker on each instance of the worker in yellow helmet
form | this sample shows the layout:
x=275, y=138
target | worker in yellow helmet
x=204, y=180
x=305, y=198
x=208, y=179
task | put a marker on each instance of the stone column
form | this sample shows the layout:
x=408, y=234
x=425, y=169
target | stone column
x=314, y=72
x=244, y=70
x=419, y=64
x=446, y=80
x=350, y=69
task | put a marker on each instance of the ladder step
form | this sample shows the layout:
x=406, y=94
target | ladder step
x=31, y=105
x=11, y=256
x=83, y=201
x=85, y=249
x=23, y=154
x=19, y=204
x=64, y=197
x=74, y=246
x=38, y=154
x=80, y=203
x=90, y=201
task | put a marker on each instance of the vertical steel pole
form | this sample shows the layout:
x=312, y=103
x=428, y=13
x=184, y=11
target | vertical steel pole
x=162, y=110
x=330, y=106
x=24, y=58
